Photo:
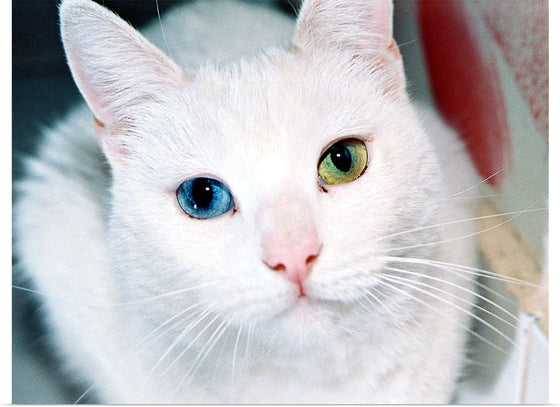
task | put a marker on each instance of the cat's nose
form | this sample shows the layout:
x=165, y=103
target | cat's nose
x=295, y=262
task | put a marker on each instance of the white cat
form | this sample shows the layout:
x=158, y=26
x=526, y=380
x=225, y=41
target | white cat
x=266, y=231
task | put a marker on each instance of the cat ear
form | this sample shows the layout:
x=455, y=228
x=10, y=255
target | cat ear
x=115, y=67
x=363, y=27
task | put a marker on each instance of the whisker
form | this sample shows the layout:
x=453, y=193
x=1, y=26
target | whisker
x=462, y=268
x=471, y=197
x=467, y=275
x=403, y=44
x=134, y=348
x=458, y=297
x=247, y=345
x=461, y=274
x=467, y=235
x=204, y=352
x=218, y=360
x=189, y=346
x=183, y=333
x=437, y=311
x=162, y=30
x=398, y=280
x=212, y=341
x=59, y=298
x=454, y=222
x=365, y=306
x=89, y=389
x=477, y=184
x=171, y=293
x=165, y=323
x=234, y=359
x=374, y=297
x=119, y=304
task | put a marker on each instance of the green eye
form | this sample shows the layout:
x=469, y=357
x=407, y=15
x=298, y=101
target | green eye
x=343, y=162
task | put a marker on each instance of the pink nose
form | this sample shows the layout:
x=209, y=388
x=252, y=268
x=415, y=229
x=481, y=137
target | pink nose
x=294, y=262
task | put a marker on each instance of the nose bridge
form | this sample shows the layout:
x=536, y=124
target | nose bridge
x=289, y=238
x=287, y=219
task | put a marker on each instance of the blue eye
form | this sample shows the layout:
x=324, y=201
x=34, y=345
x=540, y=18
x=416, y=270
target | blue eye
x=204, y=198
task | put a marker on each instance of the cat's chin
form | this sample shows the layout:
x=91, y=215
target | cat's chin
x=307, y=322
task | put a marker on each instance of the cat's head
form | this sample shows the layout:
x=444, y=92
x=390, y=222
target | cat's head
x=266, y=188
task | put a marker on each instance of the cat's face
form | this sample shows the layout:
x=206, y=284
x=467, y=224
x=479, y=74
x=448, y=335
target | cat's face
x=286, y=238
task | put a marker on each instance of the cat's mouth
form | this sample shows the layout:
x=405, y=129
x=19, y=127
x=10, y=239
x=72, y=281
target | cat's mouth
x=304, y=315
x=308, y=309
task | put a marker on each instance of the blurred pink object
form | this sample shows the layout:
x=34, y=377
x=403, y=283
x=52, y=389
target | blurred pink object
x=465, y=43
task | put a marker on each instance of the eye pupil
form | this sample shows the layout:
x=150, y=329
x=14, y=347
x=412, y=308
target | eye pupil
x=341, y=157
x=202, y=193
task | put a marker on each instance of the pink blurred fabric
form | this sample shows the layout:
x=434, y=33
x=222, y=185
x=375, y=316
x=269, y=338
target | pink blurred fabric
x=464, y=43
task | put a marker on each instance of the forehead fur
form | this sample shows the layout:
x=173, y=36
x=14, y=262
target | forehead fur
x=282, y=104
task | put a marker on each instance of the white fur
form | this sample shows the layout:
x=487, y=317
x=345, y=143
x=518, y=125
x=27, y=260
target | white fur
x=105, y=260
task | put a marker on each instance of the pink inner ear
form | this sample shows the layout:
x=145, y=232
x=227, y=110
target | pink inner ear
x=91, y=97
